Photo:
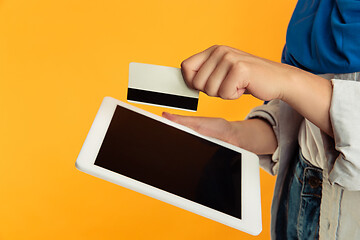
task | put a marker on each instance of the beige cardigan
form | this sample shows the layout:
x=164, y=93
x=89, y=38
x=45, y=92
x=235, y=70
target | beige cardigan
x=340, y=204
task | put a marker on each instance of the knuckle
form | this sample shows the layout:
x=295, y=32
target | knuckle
x=184, y=64
x=223, y=94
x=241, y=67
x=228, y=57
x=210, y=92
x=215, y=46
x=197, y=85
x=227, y=93
x=221, y=49
x=185, y=71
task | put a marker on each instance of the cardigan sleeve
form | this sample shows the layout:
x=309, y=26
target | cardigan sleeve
x=270, y=113
x=345, y=120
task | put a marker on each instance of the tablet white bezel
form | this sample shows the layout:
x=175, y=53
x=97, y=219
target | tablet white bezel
x=250, y=183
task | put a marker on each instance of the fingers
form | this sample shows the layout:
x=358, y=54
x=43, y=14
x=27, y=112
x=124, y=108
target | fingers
x=191, y=66
x=214, y=62
x=188, y=121
x=214, y=80
x=201, y=77
x=235, y=83
x=225, y=72
x=212, y=127
x=214, y=72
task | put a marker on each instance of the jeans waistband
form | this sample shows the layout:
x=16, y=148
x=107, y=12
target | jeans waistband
x=305, y=171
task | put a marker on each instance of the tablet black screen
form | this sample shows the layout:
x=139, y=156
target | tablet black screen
x=173, y=160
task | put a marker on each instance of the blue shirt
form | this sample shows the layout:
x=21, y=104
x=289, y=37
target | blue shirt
x=323, y=36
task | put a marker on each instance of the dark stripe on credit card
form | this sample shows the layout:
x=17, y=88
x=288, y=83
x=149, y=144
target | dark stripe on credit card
x=162, y=99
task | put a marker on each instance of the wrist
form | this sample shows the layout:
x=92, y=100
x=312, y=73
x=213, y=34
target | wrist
x=290, y=83
x=255, y=135
x=310, y=95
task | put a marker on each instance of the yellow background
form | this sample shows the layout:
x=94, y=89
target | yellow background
x=59, y=59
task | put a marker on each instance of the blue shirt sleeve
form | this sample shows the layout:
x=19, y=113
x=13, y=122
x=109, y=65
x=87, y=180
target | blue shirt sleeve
x=324, y=36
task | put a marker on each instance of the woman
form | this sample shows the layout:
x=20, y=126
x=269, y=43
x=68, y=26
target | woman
x=309, y=131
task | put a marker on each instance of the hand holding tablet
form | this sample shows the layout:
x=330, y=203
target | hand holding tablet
x=159, y=158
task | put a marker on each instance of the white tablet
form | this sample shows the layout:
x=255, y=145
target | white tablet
x=167, y=161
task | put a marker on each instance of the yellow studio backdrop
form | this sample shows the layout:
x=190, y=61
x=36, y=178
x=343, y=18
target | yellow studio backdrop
x=59, y=59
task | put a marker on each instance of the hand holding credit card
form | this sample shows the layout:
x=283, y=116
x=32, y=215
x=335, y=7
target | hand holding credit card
x=161, y=86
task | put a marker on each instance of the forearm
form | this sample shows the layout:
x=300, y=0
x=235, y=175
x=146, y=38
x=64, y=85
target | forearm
x=254, y=135
x=310, y=95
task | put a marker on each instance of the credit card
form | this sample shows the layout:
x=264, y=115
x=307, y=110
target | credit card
x=160, y=86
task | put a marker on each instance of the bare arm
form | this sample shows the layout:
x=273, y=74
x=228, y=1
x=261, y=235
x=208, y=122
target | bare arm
x=310, y=95
x=225, y=72
x=254, y=135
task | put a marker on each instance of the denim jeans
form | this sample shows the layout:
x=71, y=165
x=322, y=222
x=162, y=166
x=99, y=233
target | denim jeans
x=299, y=208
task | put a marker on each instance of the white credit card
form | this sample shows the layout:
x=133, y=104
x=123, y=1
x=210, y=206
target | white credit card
x=160, y=86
